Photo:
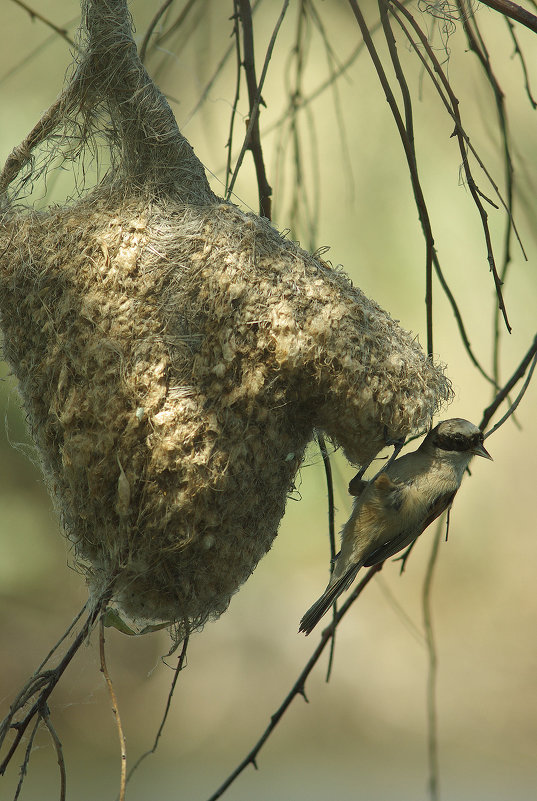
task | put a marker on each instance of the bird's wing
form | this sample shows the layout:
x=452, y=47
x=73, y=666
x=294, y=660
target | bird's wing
x=407, y=536
x=440, y=505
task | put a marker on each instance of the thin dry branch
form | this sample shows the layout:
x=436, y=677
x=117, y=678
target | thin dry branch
x=513, y=11
x=529, y=358
x=115, y=710
x=299, y=686
x=155, y=21
x=178, y=669
x=234, y=105
x=39, y=687
x=254, y=106
x=36, y=15
x=253, y=142
x=26, y=760
x=411, y=162
x=45, y=717
x=451, y=103
x=521, y=58
x=331, y=533
x=432, y=718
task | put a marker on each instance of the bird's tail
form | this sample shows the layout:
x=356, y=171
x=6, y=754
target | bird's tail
x=332, y=592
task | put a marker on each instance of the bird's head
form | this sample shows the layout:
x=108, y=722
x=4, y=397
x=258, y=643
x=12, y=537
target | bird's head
x=456, y=438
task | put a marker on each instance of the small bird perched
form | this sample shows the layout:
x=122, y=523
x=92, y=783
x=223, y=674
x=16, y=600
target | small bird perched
x=393, y=510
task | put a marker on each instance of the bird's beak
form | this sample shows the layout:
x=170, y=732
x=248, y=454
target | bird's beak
x=480, y=450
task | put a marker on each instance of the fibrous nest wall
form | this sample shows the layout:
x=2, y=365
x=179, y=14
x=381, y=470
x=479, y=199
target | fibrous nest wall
x=175, y=355
x=174, y=362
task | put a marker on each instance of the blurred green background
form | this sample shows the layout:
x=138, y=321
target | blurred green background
x=363, y=735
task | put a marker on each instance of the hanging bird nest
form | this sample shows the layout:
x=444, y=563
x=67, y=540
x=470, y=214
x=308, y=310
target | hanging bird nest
x=174, y=354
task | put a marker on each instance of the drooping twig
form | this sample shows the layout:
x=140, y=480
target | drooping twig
x=36, y=15
x=299, y=686
x=115, y=710
x=331, y=533
x=254, y=97
x=432, y=718
x=264, y=188
x=38, y=688
x=26, y=760
x=411, y=150
x=45, y=717
x=210, y=83
x=411, y=162
x=178, y=669
x=155, y=21
x=234, y=105
x=520, y=54
x=451, y=103
x=529, y=358
x=514, y=11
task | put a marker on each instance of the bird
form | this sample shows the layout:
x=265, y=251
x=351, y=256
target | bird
x=392, y=510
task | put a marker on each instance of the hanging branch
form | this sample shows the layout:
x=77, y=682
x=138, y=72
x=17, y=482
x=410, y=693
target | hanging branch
x=432, y=720
x=254, y=97
x=411, y=161
x=451, y=103
x=519, y=53
x=155, y=21
x=26, y=760
x=252, y=140
x=331, y=533
x=409, y=132
x=504, y=392
x=36, y=15
x=178, y=669
x=40, y=686
x=477, y=45
x=229, y=144
x=513, y=11
x=290, y=139
x=45, y=717
x=299, y=686
x=115, y=710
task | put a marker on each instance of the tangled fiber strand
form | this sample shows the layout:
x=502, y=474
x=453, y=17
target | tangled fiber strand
x=175, y=355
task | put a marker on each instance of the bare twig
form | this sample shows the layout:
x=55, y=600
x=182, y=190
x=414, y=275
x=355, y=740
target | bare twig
x=331, y=533
x=178, y=669
x=298, y=687
x=115, y=710
x=39, y=687
x=432, y=721
x=523, y=65
x=530, y=357
x=512, y=10
x=218, y=69
x=411, y=161
x=26, y=760
x=264, y=193
x=155, y=21
x=36, y=15
x=254, y=97
x=229, y=143
x=411, y=150
x=452, y=105
x=45, y=717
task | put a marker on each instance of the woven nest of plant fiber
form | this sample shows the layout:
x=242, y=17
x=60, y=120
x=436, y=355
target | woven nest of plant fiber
x=175, y=355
